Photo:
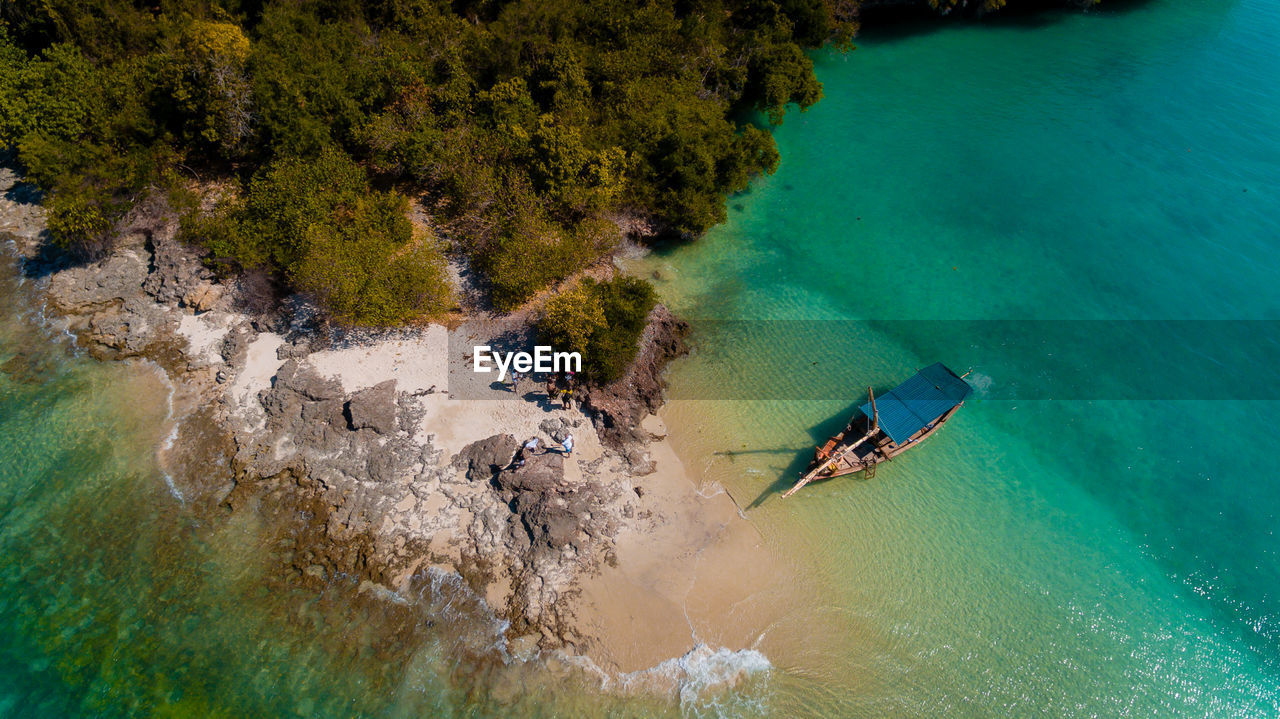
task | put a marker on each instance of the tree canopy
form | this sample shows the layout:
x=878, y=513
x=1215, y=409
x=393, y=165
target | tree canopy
x=602, y=321
x=526, y=127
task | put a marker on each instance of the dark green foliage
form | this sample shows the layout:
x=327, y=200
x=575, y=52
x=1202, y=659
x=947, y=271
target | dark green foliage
x=524, y=124
x=79, y=221
x=333, y=236
x=65, y=115
x=601, y=320
x=533, y=253
x=626, y=302
x=273, y=225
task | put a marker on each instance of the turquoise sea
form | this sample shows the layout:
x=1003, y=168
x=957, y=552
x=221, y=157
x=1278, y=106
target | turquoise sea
x=1102, y=549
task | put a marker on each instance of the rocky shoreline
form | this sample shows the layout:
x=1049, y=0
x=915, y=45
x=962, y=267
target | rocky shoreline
x=353, y=445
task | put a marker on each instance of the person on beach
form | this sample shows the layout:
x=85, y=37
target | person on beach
x=567, y=444
x=551, y=387
x=515, y=381
x=527, y=450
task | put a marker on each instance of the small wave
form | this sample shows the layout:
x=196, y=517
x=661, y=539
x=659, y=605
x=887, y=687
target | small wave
x=700, y=680
x=172, y=436
x=386, y=594
x=711, y=489
x=702, y=670
x=446, y=596
x=56, y=329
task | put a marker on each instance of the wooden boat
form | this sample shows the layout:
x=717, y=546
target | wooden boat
x=880, y=431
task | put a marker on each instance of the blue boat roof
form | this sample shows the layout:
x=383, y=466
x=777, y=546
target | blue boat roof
x=914, y=404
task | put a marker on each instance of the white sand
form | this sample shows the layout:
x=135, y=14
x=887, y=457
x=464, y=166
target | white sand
x=205, y=333
x=422, y=362
x=698, y=575
x=416, y=364
x=260, y=366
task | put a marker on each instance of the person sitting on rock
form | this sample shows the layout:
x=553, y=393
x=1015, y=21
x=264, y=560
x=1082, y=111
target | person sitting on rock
x=567, y=444
x=526, y=451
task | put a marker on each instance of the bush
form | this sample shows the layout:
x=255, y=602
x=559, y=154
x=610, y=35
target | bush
x=78, y=223
x=533, y=252
x=601, y=320
x=322, y=226
x=627, y=302
x=363, y=274
x=58, y=95
x=572, y=317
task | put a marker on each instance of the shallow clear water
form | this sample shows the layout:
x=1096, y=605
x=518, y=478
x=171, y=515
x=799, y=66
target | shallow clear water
x=1112, y=554
x=1106, y=556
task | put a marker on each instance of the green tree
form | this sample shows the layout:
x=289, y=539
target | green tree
x=362, y=276
x=331, y=235
x=601, y=320
x=523, y=125
x=572, y=317
x=78, y=221
x=206, y=80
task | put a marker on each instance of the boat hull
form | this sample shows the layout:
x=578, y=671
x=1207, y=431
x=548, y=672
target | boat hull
x=876, y=452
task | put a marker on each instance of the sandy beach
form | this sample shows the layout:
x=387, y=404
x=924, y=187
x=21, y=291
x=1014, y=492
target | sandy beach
x=697, y=575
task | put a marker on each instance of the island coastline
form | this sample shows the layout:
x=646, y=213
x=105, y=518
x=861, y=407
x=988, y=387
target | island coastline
x=599, y=560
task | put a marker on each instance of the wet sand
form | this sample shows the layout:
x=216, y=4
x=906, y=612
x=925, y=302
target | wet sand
x=696, y=574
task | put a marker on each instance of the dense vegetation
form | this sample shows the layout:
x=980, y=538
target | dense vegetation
x=527, y=128
x=602, y=321
x=322, y=226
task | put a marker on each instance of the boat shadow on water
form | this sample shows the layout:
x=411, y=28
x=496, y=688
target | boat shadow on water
x=801, y=457
x=906, y=416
